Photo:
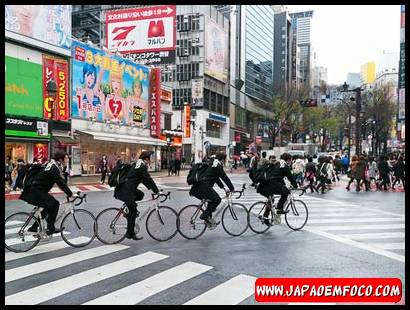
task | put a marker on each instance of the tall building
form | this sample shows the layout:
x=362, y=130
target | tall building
x=368, y=72
x=388, y=62
x=302, y=22
x=251, y=63
x=401, y=115
x=353, y=79
x=282, y=64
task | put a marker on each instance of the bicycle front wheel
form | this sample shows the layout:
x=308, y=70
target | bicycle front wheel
x=297, y=216
x=161, y=224
x=17, y=238
x=79, y=228
x=235, y=219
x=112, y=226
x=189, y=225
x=255, y=217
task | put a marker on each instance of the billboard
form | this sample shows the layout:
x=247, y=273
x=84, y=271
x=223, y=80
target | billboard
x=47, y=23
x=197, y=93
x=155, y=102
x=57, y=70
x=23, y=89
x=402, y=67
x=141, y=29
x=106, y=87
x=265, y=130
x=216, y=51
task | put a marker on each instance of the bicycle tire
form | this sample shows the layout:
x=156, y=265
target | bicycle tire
x=241, y=214
x=108, y=234
x=162, y=220
x=291, y=214
x=18, y=243
x=196, y=225
x=255, y=223
x=82, y=228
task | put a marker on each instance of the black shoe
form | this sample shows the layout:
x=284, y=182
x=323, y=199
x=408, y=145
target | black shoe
x=266, y=222
x=53, y=231
x=203, y=216
x=33, y=228
x=281, y=211
x=133, y=237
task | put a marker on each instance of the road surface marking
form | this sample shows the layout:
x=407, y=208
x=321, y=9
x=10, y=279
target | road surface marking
x=357, y=227
x=61, y=261
x=45, y=248
x=374, y=236
x=11, y=223
x=354, y=220
x=360, y=245
x=60, y=287
x=14, y=241
x=389, y=246
x=231, y=292
x=135, y=293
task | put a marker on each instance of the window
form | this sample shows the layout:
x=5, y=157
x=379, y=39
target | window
x=213, y=129
x=167, y=121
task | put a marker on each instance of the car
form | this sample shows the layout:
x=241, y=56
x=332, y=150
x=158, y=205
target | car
x=297, y=152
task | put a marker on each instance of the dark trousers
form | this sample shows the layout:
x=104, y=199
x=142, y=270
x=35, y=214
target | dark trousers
x=204, y=191
x=43, y=200
x=268, y=189
x=385, y=179
x=103, y=175
x=132, y=207
x=311, y=185
x=398, y=178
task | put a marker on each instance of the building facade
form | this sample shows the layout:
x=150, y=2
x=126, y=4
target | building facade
x=353, y=79
x=368, y=72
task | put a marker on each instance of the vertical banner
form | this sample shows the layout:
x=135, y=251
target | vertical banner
x=40, y=151
x=57, y=70
x=155, y=102
x=197, y=93
x=187, y=127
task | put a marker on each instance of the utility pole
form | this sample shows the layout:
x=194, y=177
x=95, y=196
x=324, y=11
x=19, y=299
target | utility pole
x=358, y=119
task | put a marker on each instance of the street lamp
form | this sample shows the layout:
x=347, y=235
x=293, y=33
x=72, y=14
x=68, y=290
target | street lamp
x=193, y=119
x=52, y=92
x=350, y=124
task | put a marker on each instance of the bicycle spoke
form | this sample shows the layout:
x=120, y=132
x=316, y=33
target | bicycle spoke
x=17, y=238
x=161, y=223
x=256, y=217
x=81, y=223
x=112, y=226
x=297, y=216
x=189, y=224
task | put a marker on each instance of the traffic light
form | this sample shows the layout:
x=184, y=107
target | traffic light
x=308, y=103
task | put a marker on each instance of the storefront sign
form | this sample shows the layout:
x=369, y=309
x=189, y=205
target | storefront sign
x=153, y=58
x=47, y=23
x=40, y=152
x=56, y=70
x=23, y=94
x=22, y=125
x=187, y=127
x=218, y=118
x=141, y=29
x=108, y=87
x=166, y=95
x=155, y=102
x=198, y=93
x=402, y=66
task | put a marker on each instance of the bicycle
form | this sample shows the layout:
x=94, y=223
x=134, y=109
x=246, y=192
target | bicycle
x=160, y=223
x=234, y=217
x=78, y=227
x=295, y=219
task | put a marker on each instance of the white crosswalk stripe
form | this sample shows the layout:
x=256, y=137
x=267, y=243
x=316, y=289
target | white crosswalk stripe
x=14, y=241
x=11, y=223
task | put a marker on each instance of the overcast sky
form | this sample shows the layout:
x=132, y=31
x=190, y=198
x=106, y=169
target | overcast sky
x=346, y=36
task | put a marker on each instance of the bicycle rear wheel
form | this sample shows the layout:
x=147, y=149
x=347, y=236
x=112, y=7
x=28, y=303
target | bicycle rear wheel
x=255, y=217
x=235, y=219
x=189, y=225
x=297, y=216
x=17, y=238
x=112, y=226
x=161, y=224
x=80, y=227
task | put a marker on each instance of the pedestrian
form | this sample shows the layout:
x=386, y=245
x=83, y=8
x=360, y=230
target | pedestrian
x=170, y=166
x=337, y=163
x=399, y=172
x=177, y=166
x=372, y=165
x=322, y=174
x=352, y=170
x=183, y=161
x=310, y=174
x=298, y=169
x=361, y=174
x=103, y=168
x=384, y=173
x=263, y=161
x=9, y=170
x=21, y=170
x=252, y=168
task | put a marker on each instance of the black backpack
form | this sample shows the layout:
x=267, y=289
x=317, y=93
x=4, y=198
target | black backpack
x=264, y=173
x=119, y=174
x=30, y=175
x=196, y=173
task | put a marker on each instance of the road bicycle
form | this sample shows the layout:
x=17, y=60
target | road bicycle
x=78, y=226
x=234, y=217
x=260, y=221
x=160, y=223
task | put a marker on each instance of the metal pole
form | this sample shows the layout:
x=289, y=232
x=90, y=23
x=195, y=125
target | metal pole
x=348, y=141
x=358, y=121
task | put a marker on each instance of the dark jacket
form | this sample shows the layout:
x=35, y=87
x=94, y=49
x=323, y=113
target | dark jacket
x=399, y=169
x=279, y=171
x=384, y=167
x=215, y=173
x=138, y=174
x=46, y=179
x=103, y=167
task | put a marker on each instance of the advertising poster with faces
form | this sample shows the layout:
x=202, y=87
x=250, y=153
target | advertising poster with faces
x=107, y=87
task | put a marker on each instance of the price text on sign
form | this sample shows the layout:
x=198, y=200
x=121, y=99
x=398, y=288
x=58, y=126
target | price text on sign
x=328, y=290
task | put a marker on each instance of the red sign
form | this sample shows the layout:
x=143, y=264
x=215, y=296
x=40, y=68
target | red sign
x=187, y=128
x=148, y=29
x=155, y=102
x=237, y=137
x=57, y=70
x=40, y=152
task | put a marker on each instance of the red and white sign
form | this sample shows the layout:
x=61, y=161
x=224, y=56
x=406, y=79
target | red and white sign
x=40, y=151
x=155, y=102
x=57, y=70
x=141, y=30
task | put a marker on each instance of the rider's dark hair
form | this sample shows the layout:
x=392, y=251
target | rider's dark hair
x=145, y=155
x=220, y=156
x=59, y=154
x=286, y=156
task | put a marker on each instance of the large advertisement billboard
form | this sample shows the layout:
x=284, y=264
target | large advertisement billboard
x=108, y=87
x=57, y=70
x=265, y=130
x=23, y=92
x=216, y=51
x=47, y=23
x=141, y=29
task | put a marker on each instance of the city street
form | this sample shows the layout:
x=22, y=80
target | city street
x=348, y=234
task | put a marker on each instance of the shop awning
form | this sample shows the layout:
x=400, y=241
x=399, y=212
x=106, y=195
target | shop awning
x=66, y=141
x=124, y=138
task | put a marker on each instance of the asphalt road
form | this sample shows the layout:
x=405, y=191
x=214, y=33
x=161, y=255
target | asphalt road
x=348, y=234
